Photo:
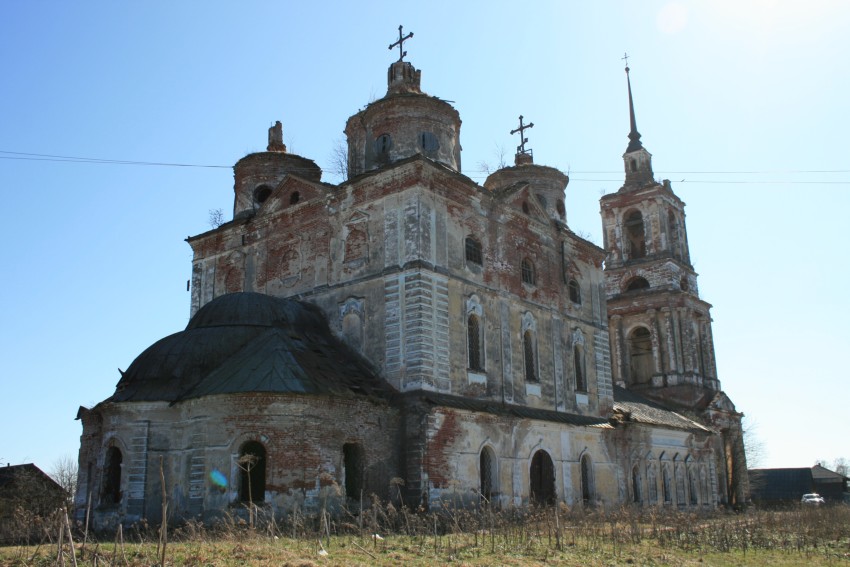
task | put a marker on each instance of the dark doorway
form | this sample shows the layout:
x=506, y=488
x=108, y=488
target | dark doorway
x=112, y=476
x=542, y=479
x=252, y=472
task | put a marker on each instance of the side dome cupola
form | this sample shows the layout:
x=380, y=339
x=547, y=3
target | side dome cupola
x=403, y=123
x=547, y=184
x=257, y=175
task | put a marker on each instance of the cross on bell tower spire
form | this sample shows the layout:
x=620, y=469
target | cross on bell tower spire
x=400, y=43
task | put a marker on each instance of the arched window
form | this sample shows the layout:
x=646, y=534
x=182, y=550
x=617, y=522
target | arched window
x=578, y=368
x=528, y=275
x=529, y=356
x=665, y=483
x=487, y=474
x=559, y=205
x=587, y=492
x=637, y=283
x=252, y=472
x=641, y=362
x=673, y=226
x=692, y=486
x=635, y=238
x=383, y=143
x=473, y=251
x=525, y=207
x=429, y=141
x=542, y=476
x=575, y=292
x=636, y=485
x=703, y=481
x=352, y=466
x=652, y=482
x=475, y=342
x=294, y=197
x=113, y=462
x=680, y=483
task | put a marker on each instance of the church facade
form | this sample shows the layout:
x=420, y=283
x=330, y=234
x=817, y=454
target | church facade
x=413, y=334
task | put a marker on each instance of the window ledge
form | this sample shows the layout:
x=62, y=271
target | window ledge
x=476, y=377
x=581, y=399
x=532, y=390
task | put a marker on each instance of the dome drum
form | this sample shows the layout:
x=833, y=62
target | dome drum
x=256, y=176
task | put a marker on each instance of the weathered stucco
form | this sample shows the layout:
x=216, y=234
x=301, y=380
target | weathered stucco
x=500, y=335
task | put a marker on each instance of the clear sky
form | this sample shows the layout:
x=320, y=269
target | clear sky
x=743, y=104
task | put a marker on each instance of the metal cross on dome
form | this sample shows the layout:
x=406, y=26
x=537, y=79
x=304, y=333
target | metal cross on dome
x=520, y=149
x=400, y=43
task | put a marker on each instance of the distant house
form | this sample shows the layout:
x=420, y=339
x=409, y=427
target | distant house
x=777, y=486
x=27, y=494
x=829, y=484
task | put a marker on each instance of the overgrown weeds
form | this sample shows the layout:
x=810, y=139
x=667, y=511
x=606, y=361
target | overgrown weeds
x=381, y=532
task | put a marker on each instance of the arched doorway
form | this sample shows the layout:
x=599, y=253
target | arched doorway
x=252, y=472
x=587, y=491
x=542, y=475
x=487, y=474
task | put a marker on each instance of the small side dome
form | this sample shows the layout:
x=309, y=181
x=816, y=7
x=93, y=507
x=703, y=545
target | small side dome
x=256, y=175
x=546, y=183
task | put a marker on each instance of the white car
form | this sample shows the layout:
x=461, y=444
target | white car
x=812, y=499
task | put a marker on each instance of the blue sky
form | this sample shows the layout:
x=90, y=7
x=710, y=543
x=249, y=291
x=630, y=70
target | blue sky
x=743, y=105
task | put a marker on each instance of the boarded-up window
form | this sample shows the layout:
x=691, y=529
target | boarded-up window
x=356, y=245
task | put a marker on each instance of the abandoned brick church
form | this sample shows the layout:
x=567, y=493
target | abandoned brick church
x=413, y=334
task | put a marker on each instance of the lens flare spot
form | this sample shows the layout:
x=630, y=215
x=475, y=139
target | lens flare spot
x=217, y=477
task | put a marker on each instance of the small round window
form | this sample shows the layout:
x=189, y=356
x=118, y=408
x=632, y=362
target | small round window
x=429, y=141
x=383, y=143
x=262, y=193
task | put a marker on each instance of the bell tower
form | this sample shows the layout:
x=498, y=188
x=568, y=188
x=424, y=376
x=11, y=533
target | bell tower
x=660, y=328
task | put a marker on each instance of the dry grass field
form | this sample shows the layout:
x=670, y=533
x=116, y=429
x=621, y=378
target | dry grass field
x=386, y=536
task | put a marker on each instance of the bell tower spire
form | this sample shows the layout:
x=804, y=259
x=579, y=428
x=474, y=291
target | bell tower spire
x=637, y=160
x=634, y=135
